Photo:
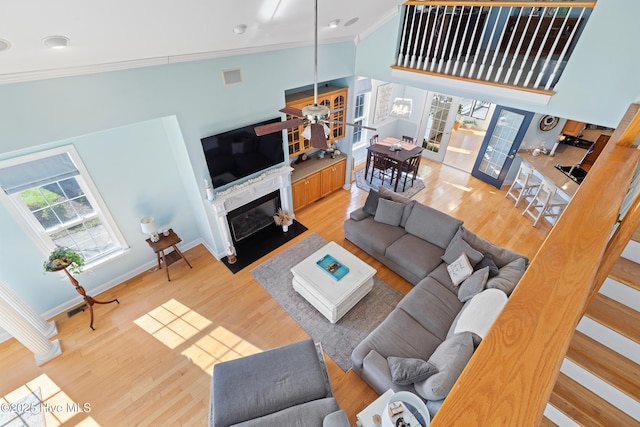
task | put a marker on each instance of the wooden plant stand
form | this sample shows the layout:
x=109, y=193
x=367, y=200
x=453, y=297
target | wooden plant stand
x=88, y=299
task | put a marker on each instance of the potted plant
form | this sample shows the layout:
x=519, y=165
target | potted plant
x=283, y=218
x=458, y=121
x=62, y=257
x=469, y=123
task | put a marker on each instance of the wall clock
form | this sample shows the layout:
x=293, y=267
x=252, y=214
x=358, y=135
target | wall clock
x=548, y=122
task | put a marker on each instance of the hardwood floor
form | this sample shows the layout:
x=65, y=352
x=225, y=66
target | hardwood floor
x=149, y=360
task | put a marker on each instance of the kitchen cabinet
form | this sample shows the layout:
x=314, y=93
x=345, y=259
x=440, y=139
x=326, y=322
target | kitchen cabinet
x=590, y=159
x=333, y=97
x=315, y=178
x=573, y=128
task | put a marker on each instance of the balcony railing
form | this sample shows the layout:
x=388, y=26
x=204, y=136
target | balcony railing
x=521, y=44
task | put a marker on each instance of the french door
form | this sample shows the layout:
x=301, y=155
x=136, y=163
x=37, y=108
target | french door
x=437, y=124
x=501, y=142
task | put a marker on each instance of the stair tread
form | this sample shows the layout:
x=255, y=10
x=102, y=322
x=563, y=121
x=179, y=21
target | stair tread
x=546, y=422
x=615, y=315
x=636, y=235
x=627, y=272
x=584, y=407
x=605, y=363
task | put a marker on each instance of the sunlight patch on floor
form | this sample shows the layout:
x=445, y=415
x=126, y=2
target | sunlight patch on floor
x=459, y=150
x=56, y=406
x=175, y=324
x=458, y=186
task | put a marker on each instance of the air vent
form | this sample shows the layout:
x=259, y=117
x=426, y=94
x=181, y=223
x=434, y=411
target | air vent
x=231, y=76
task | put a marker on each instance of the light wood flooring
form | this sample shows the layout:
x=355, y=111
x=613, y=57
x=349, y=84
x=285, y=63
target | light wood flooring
x=149, y=360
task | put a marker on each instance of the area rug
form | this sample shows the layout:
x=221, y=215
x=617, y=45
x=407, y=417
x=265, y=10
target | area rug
x=363, y=184
x=339, y=339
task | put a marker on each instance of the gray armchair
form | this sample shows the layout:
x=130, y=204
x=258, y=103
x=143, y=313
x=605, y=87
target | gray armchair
x=286, y=386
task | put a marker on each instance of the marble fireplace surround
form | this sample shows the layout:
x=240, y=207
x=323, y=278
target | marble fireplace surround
x=246, y=192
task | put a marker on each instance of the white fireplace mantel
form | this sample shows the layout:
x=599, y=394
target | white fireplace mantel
x=239, y=195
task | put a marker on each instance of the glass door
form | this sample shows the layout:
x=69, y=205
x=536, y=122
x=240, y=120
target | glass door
x=437, y=125
x=500, y=145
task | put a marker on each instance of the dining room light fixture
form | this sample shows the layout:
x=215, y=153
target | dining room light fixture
x=401, y=108
x=56, y=42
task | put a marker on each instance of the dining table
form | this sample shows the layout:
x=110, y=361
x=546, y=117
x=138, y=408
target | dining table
x=397, y=157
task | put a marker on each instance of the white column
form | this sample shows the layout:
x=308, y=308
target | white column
x=48, y=329
x=21, y=329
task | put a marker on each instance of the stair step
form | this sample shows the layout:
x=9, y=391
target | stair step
x=615, y=315
x=627, y=272
x=636, y=235
x=584, y=407
x=606, y=364
x=546, y=422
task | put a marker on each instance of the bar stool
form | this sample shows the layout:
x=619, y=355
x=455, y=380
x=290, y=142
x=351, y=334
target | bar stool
x=525, y=185
x=545, y=203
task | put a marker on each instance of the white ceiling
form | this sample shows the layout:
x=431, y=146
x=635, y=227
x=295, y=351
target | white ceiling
x=125, y=33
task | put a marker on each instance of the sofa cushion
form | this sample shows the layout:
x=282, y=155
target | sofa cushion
x=432, y=225
x=508, y=276
x=458, y=246
x=408, y=370
x=479, y=313
x=389, y=212
x=501, y=256
x=371, y=204
x=449, y=358
x=473, y=284
x=460, y=269
x=432, y=305
x=397, y=197
x=414, y=254
x=289, y=376
x=358, y=214
x=374, y=237
x=307, y=414
x=487, y=261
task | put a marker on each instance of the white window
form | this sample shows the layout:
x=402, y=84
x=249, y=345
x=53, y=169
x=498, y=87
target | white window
x=53, y=194
x=360, y=117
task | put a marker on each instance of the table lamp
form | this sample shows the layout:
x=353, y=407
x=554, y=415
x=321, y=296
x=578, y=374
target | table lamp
x=149, y=226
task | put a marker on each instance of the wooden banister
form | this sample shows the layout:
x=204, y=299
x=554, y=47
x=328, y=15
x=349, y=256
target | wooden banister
x=512, y=373
x=533, y=3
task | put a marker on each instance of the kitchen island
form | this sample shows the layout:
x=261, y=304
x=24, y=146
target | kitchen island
x=544, y=165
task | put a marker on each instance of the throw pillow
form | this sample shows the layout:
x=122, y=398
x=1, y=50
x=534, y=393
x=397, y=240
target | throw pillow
x=459, y=269
x=479, y=313
x=473, y=284
x=458, y=246
x=371, y=204
x=508, y=277
x=450, y=358
x=487, y=261
x=407, y=211
x=389, y=212
x=405, y=370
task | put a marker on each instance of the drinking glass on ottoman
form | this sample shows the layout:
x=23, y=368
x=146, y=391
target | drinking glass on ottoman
x=286, y=386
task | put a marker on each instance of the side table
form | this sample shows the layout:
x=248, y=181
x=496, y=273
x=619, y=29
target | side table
x=163, y=244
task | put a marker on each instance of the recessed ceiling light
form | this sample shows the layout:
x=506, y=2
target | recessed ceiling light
x=240, y=29
x=334, y=23
x=4, y=45
x=56, y=42
x=351, y=21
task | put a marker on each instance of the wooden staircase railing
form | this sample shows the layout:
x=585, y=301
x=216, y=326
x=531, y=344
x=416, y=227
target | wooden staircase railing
x=509, y=379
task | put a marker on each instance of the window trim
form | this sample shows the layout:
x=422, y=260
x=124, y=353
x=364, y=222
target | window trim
x=363, y=119
x=24, y=217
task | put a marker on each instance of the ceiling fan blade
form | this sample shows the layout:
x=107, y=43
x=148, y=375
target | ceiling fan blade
x=292, y=111
x=318, y=139
x=349, y=124
x=275, y=127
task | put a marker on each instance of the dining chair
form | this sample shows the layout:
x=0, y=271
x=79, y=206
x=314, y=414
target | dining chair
x=410, y=170
x=373, y=139
x=384, y=165
x=524, y=186
x=545, y=203
x=408, y=139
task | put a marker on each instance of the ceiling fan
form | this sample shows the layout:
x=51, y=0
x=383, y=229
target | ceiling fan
x=314, y=117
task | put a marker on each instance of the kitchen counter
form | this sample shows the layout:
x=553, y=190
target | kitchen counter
x=566, y=155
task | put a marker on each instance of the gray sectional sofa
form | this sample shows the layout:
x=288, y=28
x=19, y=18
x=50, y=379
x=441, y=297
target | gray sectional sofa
x=427, y=340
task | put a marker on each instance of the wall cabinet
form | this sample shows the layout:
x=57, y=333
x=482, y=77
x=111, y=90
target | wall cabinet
x=317, y=178
x=333, y=97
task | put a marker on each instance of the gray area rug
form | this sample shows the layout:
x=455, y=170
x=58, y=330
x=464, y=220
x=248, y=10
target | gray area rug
x=361, y=183
x=339, y=339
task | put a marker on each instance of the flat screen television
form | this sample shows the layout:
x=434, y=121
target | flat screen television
x=238, y=153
